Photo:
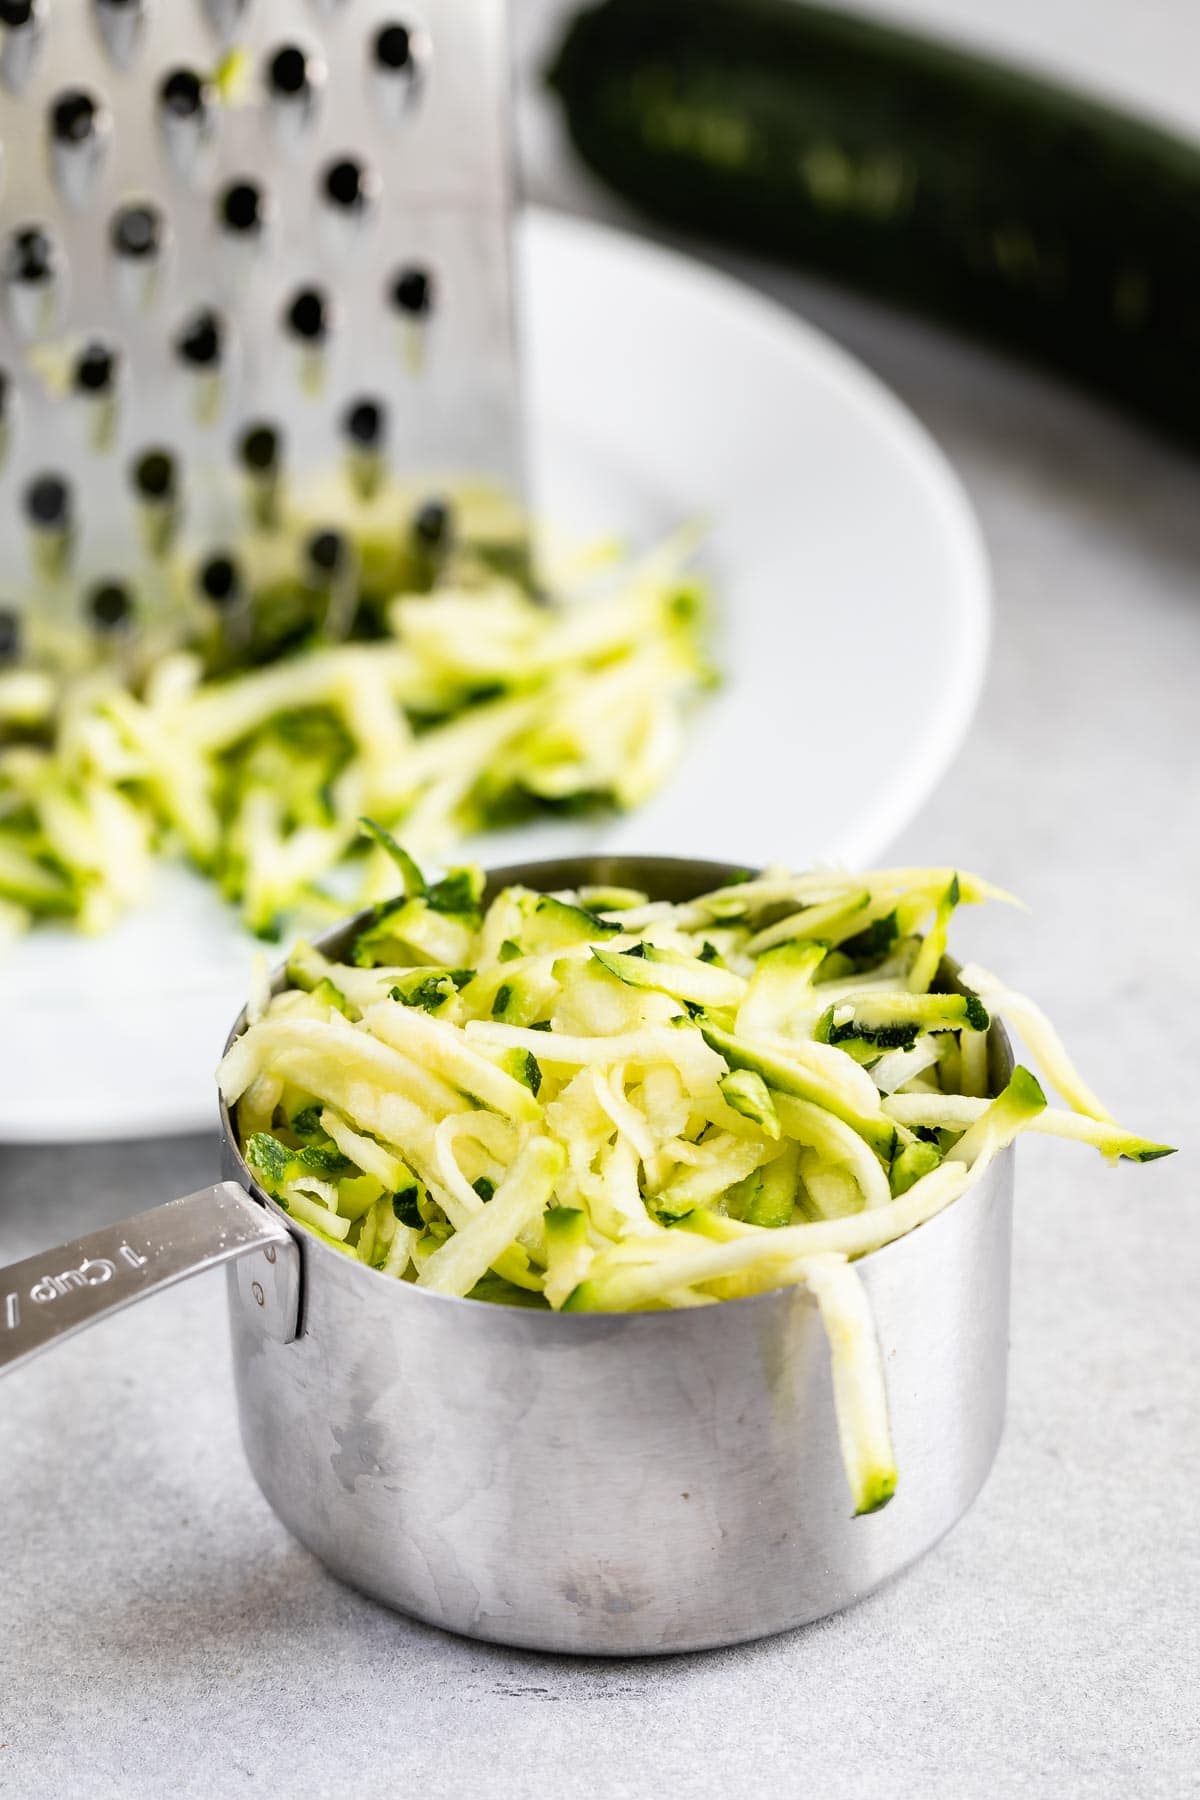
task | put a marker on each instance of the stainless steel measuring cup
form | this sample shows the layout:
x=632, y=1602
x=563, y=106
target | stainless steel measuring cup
x=605, y=1484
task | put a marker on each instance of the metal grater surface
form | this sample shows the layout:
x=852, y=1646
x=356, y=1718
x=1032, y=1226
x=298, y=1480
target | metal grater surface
x=249, y=248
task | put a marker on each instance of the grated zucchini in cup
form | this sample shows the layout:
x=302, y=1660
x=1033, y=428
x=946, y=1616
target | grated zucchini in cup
x=592, y=1101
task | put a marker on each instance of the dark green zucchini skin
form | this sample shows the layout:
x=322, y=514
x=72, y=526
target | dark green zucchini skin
x=972, y=192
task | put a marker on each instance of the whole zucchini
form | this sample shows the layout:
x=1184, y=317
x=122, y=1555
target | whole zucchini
x=983, y=196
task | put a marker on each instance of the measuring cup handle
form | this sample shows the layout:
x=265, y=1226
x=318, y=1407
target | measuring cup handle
x=58, y=1292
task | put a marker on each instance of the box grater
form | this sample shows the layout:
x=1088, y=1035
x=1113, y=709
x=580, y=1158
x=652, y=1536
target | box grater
x=257, y=287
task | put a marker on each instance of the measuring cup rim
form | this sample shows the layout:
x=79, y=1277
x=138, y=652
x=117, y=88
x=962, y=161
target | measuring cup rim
x=548, y=876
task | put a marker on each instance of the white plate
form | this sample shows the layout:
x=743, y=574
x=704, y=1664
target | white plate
x=847, y=564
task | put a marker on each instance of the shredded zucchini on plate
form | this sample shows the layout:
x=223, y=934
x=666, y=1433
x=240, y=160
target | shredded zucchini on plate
x=592, y=1101
x=472, y=705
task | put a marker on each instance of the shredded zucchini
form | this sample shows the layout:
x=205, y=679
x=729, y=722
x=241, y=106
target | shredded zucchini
x=595, y=1102
x=472, y=705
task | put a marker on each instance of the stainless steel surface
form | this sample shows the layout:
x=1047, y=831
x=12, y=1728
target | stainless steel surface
x=355, y=151
x=607, y=1485
x=624, y=1485
x=58, y=1292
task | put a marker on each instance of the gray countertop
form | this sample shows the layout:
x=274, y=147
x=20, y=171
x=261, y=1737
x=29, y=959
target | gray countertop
x=160, y=1633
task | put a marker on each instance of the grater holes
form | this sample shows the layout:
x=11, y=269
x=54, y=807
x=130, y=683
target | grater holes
x=397, y=57
x=292, y=77
x=94, y=378
x=75, y=116
x=330, y=564
x=260, y=449
x=243, y=209
x=393, y=48
x=308, y=320
x=219, y=580
x=200, y=348
x=432, y=524
x=48, y=501
x=349, y=186
x=290, y=72
x=200, y=341
x=412, y=292
x=327, y=552
x=34, y=270
x=23, y=24
x=154, y=475
x=96, y=368
x=49, y=511
x=309, y=316
x=32, y=256
x=185, y=95
x=200, y=244
x=138, y=236
x=138, y=232
x=364, y=424
x=364, y=430
x=187, y=119
x=110, y=608
x=79, y=127
x=260, y=452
